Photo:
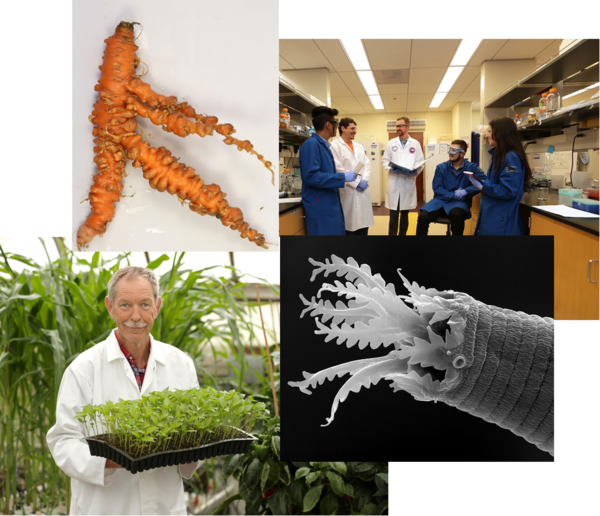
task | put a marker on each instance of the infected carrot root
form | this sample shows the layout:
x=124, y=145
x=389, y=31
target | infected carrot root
x=164, y=172
x=175, y=118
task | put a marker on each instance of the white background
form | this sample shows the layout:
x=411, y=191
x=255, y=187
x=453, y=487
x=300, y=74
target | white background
x=221, y=57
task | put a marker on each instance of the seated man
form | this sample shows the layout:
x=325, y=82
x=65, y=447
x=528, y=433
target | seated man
x=453, y=192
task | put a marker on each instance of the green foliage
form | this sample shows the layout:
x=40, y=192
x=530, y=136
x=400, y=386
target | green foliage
x=50, y=313
x=172, y=419
x=269, y=486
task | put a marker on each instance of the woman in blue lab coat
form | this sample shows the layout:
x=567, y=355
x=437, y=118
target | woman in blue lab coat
x=509, y=176
x=320, y=182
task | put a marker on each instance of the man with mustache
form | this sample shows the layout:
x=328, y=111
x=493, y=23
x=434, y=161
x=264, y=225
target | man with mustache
x=128, y=364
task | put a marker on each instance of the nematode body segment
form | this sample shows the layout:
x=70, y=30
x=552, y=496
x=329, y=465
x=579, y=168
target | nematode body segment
x=493, y=363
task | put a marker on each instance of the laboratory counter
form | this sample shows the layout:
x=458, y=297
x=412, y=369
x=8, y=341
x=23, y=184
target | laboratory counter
x=289, y=203
x=530, y=203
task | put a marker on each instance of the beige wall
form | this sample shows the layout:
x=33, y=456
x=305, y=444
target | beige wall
x=437, y=124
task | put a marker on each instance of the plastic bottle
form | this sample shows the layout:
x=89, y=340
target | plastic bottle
x=553, y=102
x=531, y=118
x=287, y=120
x=518, y=120
x=543, y=106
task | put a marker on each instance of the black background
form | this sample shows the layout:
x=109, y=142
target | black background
x=377, y=424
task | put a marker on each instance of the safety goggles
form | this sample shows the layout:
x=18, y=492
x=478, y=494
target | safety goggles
x=454, y=150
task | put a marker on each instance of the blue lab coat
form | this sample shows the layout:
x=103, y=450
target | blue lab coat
x=320, y=188
x=500, y=198
x=447, y=180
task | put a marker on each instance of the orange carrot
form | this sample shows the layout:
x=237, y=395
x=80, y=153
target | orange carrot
x=122, y=97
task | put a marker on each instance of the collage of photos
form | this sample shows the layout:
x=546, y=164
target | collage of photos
x=144, y=326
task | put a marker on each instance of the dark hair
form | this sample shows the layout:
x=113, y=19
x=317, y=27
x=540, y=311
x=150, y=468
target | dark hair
x=405, y=118
x=321, y=115
x=345, y=122
x=461, y=143
x=506, y=136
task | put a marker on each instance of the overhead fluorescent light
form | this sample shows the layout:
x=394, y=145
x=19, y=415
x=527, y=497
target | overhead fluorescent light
x=581, y=91
x=437, y=99
x=465, y=50
x=376, y=101
x=450, y=78
x=356, y=53
x=368, y=81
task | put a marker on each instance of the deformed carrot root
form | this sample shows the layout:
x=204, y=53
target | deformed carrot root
x=165, y=173
x=121, y=97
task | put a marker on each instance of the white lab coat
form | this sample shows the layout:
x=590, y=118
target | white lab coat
x=100, y=374
x=400, y=186
x=357, y=206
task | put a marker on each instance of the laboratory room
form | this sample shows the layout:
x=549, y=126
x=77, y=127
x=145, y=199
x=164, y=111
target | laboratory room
x=446, y=137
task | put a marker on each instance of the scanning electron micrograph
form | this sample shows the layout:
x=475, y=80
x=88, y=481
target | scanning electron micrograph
x=442, y=346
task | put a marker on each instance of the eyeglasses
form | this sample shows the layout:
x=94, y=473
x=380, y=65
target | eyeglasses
x=333, y=122
x=401, y=125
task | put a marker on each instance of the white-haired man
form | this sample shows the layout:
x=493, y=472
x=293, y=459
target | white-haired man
x=127, y=365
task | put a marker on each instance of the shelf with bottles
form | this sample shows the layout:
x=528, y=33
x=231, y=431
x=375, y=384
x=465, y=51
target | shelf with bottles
x=565, y=118
x=292, y=136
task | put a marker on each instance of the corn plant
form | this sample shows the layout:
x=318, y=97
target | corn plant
x=166, y=420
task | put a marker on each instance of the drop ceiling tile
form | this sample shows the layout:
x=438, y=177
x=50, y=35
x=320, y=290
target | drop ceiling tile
x=334, y=52
x=348, y=104
x=338, y=88
x=449, y=100
x=284, y=65
x=391, y=89
x=522, y=48
x=486, y=51
x=418, y=101
x=475, y=84
x=433, y=53
x=365, y=102
x=425, y=80
x=353, y=83
x=388, y=54
x=393, y=103
x=465, y=79
x=468, y=96
x=303, y=53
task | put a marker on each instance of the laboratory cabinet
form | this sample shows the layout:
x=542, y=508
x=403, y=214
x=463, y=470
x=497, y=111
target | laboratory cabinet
x=292, y=222
x=575, y=268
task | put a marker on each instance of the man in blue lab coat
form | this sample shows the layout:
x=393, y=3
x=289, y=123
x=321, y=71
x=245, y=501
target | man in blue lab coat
x=452, y=191
x=320, y=182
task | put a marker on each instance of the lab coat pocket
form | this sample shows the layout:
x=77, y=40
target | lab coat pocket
x=182, y=510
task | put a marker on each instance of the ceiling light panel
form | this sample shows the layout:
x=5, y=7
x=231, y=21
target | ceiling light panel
x=356, y=53
x=450, y=78
x=465, y=51
x=368, y=82
x=437, y=99
x=376, y=101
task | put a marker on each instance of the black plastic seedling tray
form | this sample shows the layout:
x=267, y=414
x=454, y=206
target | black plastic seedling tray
x=168, y=458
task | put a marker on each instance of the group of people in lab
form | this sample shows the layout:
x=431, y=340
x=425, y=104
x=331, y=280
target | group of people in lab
x=335, y=181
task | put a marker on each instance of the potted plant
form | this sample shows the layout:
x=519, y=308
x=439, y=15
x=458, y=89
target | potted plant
x=166, y=428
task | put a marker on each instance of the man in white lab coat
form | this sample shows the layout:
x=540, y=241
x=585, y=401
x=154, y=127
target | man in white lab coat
x=355, y=196
x=127, y=365
x=401, y=195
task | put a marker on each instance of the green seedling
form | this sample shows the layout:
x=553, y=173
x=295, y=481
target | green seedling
x=169, y=420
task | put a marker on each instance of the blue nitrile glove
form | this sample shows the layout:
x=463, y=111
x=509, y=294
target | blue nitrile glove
x=362, y=186
x=395, y=170
x=475, y=183
x=459, y=194
x=411, y=174
x=350, y=176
